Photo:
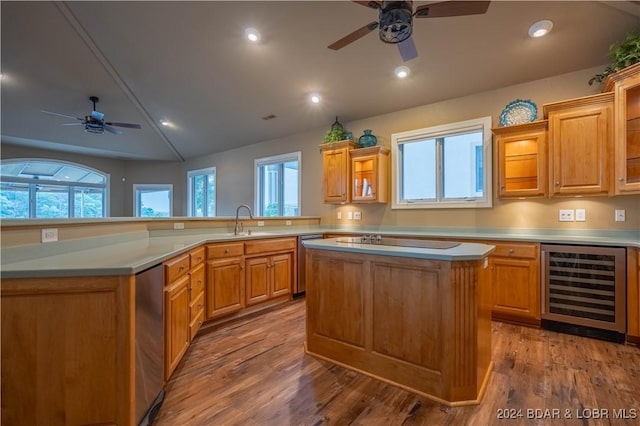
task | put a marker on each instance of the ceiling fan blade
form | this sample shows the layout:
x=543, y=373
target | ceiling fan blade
x=372, y=4
x=356, y=35
x=97, y=115
x=62, y=115
x=128, y=125
x=451, y=8
x=112, y=130
x=408, y=49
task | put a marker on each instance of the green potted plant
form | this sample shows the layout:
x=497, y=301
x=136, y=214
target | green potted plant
x=623, y=54
x=337, y=133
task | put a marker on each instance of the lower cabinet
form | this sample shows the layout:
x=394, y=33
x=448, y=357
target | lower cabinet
x=633, y=295
x=225, y=286
x=515, y=281
x=196, y=300
x=176, y=308
x=268, y=277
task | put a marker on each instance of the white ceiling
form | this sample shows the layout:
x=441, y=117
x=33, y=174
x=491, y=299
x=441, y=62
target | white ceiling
x=188, y=63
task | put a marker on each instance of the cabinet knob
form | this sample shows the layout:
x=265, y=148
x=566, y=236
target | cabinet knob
x=620, y=179
x=181, y=268
x=557, y=183
x=226, y=251
x=511, y=250
x=199, y=305
x=241, y=267
x=501, y=186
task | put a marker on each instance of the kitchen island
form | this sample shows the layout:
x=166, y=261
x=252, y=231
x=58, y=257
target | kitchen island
x=413, y=313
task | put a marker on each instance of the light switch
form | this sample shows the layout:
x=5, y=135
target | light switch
x=581, y=215
x=349, y=215
x=620, y=216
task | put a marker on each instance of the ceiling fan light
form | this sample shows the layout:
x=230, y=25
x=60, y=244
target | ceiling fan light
x=252, y=35
x=540, y=28
x=395, y=22
x=402, y=71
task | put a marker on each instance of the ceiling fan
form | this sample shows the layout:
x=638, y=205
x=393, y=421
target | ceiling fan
x=95, y=123
x=395, y=20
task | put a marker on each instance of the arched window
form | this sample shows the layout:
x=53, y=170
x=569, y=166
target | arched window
x=41, y=188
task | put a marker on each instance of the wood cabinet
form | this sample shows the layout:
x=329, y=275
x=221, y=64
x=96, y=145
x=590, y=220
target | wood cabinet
x=633, y=295
x=336, y=167
x=580, y=145
x=521, y=152
x=176, y=310
x=370, y=175
x=270, y=271
x=515, y=281
x=196, y=292
x=626, y=88
x=225, y=279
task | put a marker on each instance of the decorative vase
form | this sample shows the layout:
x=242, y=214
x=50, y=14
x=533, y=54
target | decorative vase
x=367, y=139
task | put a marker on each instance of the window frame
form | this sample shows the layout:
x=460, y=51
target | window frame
x=276, y=159
x=70, y=185
x=152, y=186
x=190, y=195
x=441, y=131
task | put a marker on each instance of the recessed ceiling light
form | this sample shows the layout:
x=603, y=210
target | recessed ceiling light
x=540, y=28
x=315, y=98
x=164, y=122
x=252, y=35
x=402, y=71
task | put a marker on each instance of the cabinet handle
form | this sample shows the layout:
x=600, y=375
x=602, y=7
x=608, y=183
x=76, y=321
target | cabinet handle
x=501, y=186
x=199, y=305
x=241, y=267
x=620, y=179
x=226, y=251
x=557, y=183
x=181, y=268
x=511, y=250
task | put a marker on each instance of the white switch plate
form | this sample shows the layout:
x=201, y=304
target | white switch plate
x=49, y=235
x=287, y=222
x=620, y=216
x=349, y=215
x=357, y=215
x=261, y=223
x=566, y=215
x=339, y=215
x=178, y=225
x=581, y=215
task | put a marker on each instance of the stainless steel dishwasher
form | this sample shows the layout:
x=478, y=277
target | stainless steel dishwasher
x=301, y=285
x=149, y=344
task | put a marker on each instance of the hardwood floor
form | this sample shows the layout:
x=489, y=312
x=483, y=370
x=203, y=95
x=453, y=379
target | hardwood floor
x=254, y=372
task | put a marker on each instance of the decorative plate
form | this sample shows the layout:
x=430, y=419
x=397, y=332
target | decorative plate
x=519, y=111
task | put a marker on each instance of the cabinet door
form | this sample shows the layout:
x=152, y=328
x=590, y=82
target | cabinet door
x=225, y=286
x=627, y=131
x=257, y=279
x=335, y=164
x=281, y=271
x=581, y=142
x=516, y=289
x=176, y=304
x=522, y=161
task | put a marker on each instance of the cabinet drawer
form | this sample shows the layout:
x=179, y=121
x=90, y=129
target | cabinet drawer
x=197, y=281
x=195, y=325
x=196, y=256
x=528, y=251
x=196, y=307
x=216, y=251
x=176, y=267
x=266, y=246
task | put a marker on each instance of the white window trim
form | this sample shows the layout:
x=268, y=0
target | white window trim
x=190, y=174
x=157, y=186
x=293, y=156
x=397, y=139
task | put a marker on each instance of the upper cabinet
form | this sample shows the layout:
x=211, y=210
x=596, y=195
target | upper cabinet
x=580, y=145
x=626, y=88
x=522, y=159
x=336, y=166
x=370, y=174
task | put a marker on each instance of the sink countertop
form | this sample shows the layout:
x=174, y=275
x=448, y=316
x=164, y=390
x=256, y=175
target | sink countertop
x=130, y=253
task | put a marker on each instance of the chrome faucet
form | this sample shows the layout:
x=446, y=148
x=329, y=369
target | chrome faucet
x=238, y=227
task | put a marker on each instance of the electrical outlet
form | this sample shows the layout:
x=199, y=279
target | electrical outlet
x=339, y=215
x=581, y=215
x=49, y=235
x=620, y=216
x=261, y=223
x=349, y=215
x=567, y=215
x=357, y=215
x=178, y=225
x=287, y=222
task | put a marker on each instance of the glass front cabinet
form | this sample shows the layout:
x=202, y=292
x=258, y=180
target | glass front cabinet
x=626, y=87
x=370, y=175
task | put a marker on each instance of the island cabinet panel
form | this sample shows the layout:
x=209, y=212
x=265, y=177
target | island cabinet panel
x=423, y=325
x=68, y=351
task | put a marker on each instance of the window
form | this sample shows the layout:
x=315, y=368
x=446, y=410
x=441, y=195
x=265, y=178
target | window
x=153, y=200
x=39, y=188
x=278, y=185
x=201, y=190
x=445, y=166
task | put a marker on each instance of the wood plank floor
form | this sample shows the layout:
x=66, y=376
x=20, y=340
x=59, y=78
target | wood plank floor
x=254, y=372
